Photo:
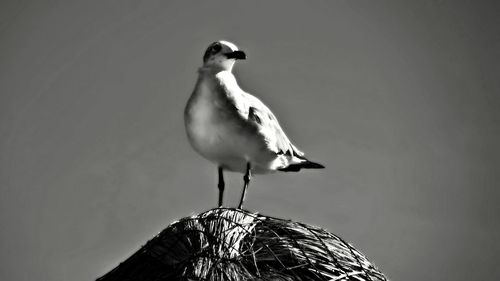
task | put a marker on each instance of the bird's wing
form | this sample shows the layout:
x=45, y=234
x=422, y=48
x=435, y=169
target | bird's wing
x=256, y=112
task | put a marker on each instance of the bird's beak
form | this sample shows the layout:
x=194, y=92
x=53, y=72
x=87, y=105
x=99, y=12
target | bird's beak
x=238, y=55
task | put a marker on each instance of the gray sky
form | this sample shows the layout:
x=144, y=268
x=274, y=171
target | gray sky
x=399, y=101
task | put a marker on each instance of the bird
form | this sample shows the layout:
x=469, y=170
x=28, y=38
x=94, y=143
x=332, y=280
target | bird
x=233, y=128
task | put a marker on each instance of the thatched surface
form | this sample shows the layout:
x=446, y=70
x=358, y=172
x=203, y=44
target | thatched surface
x=231, y=244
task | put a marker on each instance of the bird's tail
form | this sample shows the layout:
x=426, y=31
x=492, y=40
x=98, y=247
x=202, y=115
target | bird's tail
x=295, y=167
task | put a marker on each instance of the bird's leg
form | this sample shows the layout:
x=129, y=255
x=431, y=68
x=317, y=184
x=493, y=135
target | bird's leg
x=220, y=185
x=246, y=179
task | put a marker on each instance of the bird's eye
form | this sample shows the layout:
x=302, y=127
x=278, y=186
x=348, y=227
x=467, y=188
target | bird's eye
x=216, y=48
x=213, y=49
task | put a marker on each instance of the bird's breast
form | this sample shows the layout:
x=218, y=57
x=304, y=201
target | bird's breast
x=210, y=119
x=217, y=130
x=200, y=116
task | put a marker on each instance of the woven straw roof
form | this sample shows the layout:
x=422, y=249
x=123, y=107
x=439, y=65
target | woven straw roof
x=232, y=244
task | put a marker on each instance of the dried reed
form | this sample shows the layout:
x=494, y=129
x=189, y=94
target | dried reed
x=231, y=244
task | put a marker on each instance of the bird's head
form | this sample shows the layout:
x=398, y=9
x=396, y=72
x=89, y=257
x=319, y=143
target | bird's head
x=222, y=55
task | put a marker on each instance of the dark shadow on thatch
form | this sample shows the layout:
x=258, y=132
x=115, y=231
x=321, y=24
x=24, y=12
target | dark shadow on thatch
x=231, y=244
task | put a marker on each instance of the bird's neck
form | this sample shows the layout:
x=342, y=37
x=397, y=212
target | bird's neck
x=223, y=77
x=209, y=81
x=214, y=68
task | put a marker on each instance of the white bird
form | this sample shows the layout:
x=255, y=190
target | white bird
x=234, y=129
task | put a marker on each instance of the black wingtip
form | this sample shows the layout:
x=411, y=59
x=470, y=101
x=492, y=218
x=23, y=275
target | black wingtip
x=304, y=165
x=313, y=165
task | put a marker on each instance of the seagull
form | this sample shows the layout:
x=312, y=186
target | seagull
x=234, y=129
